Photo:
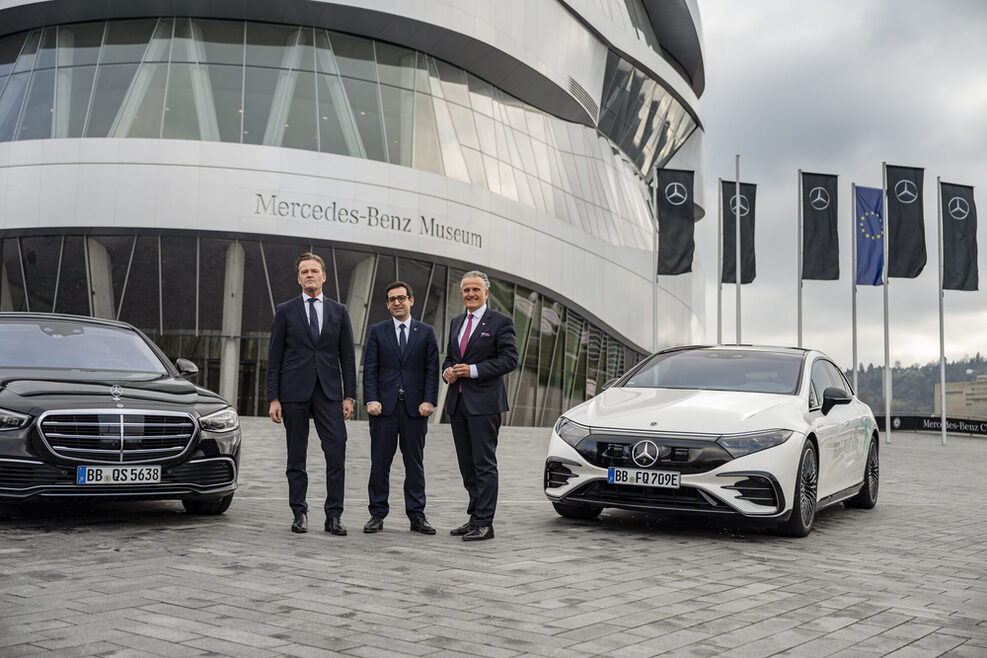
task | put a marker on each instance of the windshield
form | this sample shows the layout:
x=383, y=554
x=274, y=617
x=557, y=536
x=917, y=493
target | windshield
x=66, y=345
x=721, y=370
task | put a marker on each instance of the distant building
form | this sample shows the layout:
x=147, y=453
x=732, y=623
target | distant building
x=965, y=399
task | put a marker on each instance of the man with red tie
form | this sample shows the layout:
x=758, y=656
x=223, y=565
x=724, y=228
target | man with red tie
x=311, y=372
x=482, y=349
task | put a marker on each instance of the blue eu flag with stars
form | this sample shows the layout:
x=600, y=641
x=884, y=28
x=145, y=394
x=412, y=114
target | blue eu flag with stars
x=869, y=227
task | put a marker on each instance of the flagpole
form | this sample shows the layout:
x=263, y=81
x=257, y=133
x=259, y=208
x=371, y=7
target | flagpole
x=738, y=265
x=853, y=277
x=887, y=345
x=719, y=262
x=942, y=328
x=654, y=259
x=798, y=297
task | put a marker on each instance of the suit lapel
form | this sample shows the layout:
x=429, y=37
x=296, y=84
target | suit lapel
x=302, y=311
x=391, y=338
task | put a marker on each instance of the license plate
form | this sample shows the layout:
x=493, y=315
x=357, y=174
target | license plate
x=640, y=478
x=107, y=474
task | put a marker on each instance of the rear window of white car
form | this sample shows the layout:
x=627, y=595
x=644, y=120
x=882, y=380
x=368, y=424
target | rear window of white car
x=721, y=370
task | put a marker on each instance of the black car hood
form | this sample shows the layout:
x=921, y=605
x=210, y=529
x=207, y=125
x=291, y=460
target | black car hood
x=27, y=389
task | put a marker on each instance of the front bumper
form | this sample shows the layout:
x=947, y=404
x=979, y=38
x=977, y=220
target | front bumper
x=739, y=487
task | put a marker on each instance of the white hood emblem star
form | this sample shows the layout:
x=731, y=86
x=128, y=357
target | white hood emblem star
x=116, y=392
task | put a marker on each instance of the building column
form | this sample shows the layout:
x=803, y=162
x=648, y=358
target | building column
x=100, y=280
x=229, y=364
x=6, y=303
x=358, y=306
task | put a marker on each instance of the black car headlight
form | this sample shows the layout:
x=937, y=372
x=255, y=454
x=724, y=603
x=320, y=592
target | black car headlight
x=570, y=432
x=740, y=445
x=224, y=420
x=11, y=420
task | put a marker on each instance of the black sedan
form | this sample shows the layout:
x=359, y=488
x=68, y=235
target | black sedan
x=92, y=409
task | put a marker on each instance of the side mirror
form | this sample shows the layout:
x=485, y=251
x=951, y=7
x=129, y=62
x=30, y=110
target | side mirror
x=610, y=383
x=833, y=396
x=186, y=368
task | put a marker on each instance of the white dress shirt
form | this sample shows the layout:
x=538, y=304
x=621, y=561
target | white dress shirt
x=477, y=316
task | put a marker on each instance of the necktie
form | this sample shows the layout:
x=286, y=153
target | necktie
x=465, y=339
x=402, y=340
x=313, y=319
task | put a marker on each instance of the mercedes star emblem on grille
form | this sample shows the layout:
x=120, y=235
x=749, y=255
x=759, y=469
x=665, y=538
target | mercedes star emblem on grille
x=645, y=453
x=116, y=392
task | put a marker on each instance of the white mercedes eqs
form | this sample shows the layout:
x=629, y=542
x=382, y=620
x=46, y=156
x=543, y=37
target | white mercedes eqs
x=766, y=433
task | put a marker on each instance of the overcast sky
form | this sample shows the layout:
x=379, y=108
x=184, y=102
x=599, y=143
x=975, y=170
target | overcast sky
x=838, y=86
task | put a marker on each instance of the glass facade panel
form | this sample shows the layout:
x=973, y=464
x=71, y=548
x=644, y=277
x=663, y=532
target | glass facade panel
x=395, y=65
x=258, y=95
x=112, y=84
x=270, y=45
x=10, y=48
x=74, y=88
x=41, y=256
x=218, y=42
x=11, y=101
x=179, y=284
x=160, y=48
x=398, y=106
x=37, y=115
x=140, y=115
x=363, y=98
x=73, y=288
x=126, y=41
x=427, y=155
x=354, y=56
x=299, y=127
x=337, y=134
x=25, y=62
x=78, y=44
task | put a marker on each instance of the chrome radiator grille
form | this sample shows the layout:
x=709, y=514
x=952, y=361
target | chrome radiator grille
x=107, y=436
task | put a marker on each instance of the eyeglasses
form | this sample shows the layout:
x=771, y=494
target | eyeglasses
x=397, y=298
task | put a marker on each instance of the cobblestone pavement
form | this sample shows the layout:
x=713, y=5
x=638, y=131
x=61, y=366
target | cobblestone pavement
x=905, y=579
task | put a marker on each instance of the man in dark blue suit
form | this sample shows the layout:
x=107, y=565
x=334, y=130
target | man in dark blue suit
x=401, y=389
x=311, y=372
x=482, y=349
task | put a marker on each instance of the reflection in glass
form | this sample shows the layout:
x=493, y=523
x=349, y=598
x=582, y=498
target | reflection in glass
x=398, y=107
x=73, y=92
x=299, y=126
x=10, y=48
x=140, y=115
x=354, y=56
x=11, y=101
x=363, y=99
x=112, y=84
x=337, y=134
x=127, y=40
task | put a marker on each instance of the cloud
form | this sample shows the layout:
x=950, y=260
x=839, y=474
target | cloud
x=838, y=87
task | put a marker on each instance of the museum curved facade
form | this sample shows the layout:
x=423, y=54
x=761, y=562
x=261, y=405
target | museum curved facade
x=167, y=170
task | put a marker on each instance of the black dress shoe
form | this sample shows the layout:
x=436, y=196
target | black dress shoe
x=375, y=524
x=462, y=530
x=334, y=526
x=479, y=533
x=420, y=524
x=300, y=524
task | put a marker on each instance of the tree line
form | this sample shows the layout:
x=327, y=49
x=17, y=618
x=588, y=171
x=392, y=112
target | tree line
x=912, y=387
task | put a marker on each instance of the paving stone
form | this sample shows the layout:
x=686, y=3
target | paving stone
x=147, y=579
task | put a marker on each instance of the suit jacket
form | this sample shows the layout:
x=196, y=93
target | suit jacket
x=493, y=350
x=294, y=358
x=386, y=370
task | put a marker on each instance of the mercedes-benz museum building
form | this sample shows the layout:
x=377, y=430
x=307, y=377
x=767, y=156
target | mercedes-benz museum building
x=163, y=162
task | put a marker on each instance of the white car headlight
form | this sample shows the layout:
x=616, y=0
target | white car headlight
x=570, y=432
x=224, y=420
x=11, y=420
x=739, y=445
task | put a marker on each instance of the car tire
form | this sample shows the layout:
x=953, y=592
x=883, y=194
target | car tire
x=799, y=524
x=866, y=498
x=207, y=506
x=579, y=511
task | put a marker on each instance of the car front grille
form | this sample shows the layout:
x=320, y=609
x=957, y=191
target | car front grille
x=685, y=454
x=20, y=475
x=109, y=437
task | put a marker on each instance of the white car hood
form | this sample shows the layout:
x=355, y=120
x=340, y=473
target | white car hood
x=691, y=411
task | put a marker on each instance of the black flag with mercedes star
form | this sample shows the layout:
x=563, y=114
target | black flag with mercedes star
x=746, y=205
x=820, y=238
x=906, y=221
x=959, y=238
x=676, y=234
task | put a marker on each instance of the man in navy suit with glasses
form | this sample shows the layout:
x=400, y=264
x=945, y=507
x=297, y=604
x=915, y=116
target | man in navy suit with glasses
x=400, y=389
x=482, y=349
x=311, y=372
